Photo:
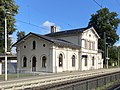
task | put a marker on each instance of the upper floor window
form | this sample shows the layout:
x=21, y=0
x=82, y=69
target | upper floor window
x=85, y=43
x=24, y=62
x=43, y=45
x=60, y=60
x=34, y=45
x=44, y=61
x=24, y=46
x=89, y=44
x=73, y=60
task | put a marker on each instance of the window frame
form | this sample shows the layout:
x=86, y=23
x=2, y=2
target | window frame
x=93, y=61
x=85, y=61
x=24, y=62
x=73, y=60
x=44, y=62
x=60, y=60
x=34, y=45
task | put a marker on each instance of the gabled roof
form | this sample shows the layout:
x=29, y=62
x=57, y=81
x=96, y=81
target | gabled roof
x=73, y=31
x=58, y=42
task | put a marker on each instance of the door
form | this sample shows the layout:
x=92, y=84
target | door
x=34, y=63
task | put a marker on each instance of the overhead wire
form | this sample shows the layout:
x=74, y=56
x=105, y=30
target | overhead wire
x=97, y=3
x=30, y=24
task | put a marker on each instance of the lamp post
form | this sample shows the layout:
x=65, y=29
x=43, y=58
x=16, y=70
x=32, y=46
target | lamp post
x=5, y=48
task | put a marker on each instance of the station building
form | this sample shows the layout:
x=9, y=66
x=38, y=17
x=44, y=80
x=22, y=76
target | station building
x=68, y=50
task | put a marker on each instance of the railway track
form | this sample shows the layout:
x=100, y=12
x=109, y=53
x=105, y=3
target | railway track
x=40, y=81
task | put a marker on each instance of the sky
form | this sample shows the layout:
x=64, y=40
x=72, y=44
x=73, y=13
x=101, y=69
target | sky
x=38, y=15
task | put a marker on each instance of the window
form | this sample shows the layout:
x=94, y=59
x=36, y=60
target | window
x=24, y=62
x=43, y=45
x=92, y=61
x=85, y=43
x=89, y=35
x=60, y=60
x=34, y=45
x=44, y=62
x=94, y=45
x=89, y=44
x=73, y=60
x=24, y=46
x=85, y=61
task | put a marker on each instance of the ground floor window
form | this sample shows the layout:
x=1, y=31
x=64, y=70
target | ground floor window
x=60, y=60
x=44, y=61
x=24, y=62
x=73, y=61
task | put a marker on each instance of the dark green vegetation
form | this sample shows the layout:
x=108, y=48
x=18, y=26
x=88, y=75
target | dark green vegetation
x=114, y=54
x=20, y=35
x=105, y=21
x=9, y=9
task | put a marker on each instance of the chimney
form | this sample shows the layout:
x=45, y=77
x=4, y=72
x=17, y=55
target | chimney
x=53, y=29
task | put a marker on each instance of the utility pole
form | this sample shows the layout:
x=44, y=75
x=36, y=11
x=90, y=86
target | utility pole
x=5, y=48
x=107, y=58
x=105, y=49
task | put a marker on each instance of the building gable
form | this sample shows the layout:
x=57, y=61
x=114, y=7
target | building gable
x=93, y=31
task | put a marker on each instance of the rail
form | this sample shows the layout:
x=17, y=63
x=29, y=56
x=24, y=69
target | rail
x=38, y=81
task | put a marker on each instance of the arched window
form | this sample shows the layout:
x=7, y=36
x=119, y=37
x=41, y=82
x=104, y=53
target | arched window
x=24, y=62
x=44, y=62
x=73, y=60
x=60, y=60
x=92, y=61
x=34, y=45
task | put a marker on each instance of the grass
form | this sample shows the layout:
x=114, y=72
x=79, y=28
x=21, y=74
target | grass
x=15, y=76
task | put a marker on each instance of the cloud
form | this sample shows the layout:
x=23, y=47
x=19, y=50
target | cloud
x=117, y=44
x=48, y=24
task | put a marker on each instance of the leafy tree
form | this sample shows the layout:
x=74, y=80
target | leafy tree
x=7, y=6
x=105, y=21
x=113, y=54
x=20, y=35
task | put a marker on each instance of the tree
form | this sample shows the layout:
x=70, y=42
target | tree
x=20, y=35
x=105, y=21
x=5, y=7
x=113, y=54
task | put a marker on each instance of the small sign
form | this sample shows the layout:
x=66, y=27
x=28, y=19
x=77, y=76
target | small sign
x=107, y=58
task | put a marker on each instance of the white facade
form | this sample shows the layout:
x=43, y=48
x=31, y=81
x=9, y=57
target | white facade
x=41, y=53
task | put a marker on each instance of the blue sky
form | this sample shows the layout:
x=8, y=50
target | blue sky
x=65, y=14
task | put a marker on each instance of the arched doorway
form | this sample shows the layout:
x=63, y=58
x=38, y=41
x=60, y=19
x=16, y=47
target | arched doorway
x=33, y=63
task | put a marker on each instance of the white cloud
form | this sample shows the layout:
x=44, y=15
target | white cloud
x=117, y=44
x=48, y=24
